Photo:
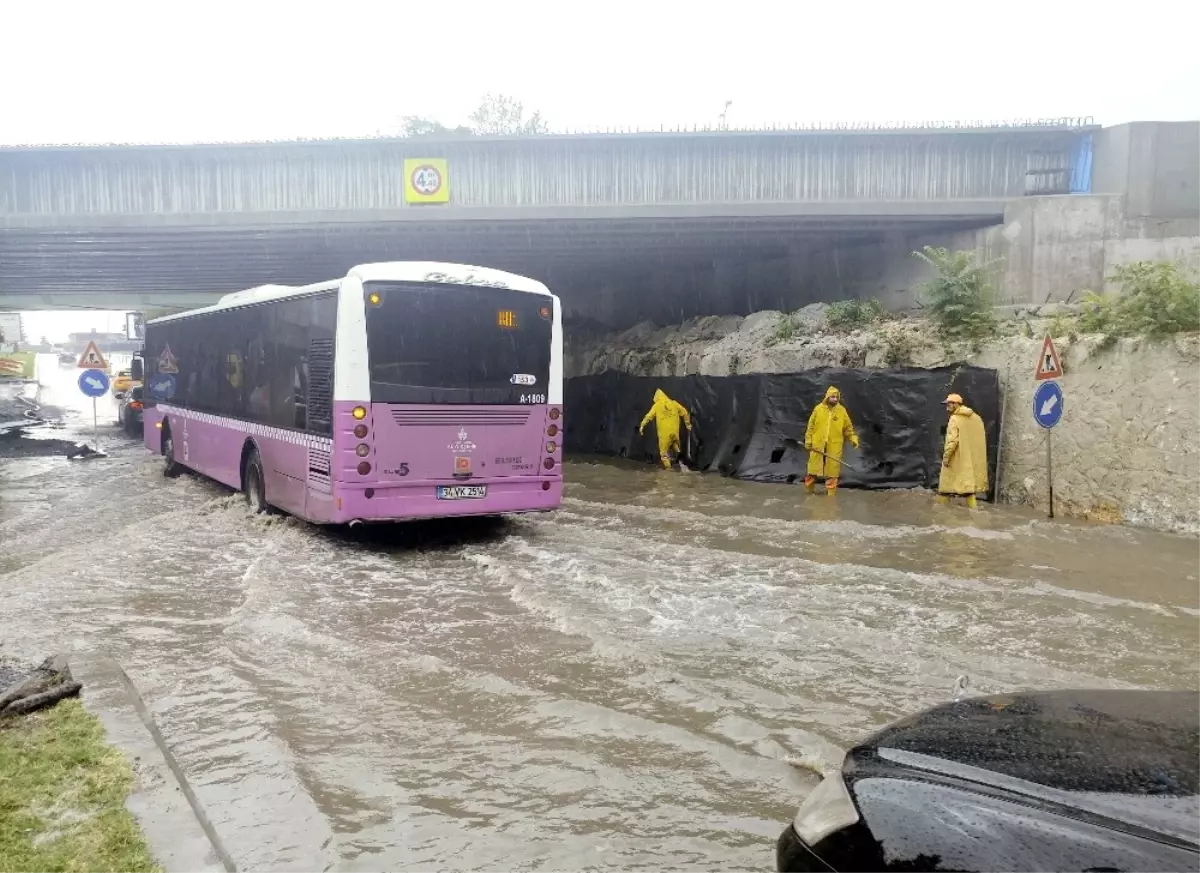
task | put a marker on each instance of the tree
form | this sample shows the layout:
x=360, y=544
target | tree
x=499, y=115
x=960, y=294
x=415, y=125
x=496, y=115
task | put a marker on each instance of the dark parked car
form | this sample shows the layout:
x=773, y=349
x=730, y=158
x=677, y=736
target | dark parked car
x=129, y=411
x=1062, y=780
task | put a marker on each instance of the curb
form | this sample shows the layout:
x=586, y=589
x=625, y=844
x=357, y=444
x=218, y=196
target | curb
x=178, y=831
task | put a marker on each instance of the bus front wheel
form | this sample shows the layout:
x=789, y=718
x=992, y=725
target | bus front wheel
x=254, y=484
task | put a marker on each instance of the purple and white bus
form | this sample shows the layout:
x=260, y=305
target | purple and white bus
x=405, y=390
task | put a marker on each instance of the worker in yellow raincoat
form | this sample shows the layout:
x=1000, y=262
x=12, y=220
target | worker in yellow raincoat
x=666, y=414
x=964, y=458
x=829, y=427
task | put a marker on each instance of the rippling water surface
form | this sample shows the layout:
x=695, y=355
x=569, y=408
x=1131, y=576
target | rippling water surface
x=621, y=684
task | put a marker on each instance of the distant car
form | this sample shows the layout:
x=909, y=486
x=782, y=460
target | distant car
x=122, y=382
x=129, y=411
x=1062, y=780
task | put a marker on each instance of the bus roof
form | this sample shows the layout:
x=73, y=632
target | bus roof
x=451, y=274
x=387, y=271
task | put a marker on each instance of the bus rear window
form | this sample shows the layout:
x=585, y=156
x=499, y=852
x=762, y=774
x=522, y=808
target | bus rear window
x=440, y=343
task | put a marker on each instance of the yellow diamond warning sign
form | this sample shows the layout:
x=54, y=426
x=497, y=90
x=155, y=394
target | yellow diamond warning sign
x=91, y=359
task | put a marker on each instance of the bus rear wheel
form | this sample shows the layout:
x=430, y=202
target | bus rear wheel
x=254, y=484
x=171, y=467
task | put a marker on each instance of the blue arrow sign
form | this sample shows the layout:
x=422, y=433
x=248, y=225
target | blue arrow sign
x=1047, y=404
x=93, y=383
x=162, y=386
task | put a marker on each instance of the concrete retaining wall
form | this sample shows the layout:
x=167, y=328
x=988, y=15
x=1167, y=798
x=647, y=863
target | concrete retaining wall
x=1047, y=250
x=1156, y=164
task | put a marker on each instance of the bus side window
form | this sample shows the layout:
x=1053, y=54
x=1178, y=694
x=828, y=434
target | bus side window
x=300, y=394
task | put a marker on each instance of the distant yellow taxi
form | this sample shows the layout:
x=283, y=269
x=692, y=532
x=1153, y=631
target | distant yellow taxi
x=122, y=382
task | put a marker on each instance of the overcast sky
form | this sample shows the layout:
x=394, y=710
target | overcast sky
x=214, y=71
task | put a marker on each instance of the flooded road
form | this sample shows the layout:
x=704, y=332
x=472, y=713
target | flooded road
x=621, y=684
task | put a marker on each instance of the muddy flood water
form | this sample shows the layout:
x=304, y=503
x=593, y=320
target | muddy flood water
x=627, y=683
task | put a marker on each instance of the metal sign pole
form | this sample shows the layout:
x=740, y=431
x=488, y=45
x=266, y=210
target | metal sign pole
x=1050, y=473
x=95, y=427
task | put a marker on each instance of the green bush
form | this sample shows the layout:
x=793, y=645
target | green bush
x=1157, y=298
x=1062, y=325
x=787, y=328
x=960, y=297
x=851, y=314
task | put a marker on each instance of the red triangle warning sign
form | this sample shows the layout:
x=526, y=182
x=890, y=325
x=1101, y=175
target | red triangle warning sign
x=91, y=359
x=167, y=362
x=1048, y=365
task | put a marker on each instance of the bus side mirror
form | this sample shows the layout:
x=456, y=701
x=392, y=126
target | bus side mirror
x=137, y=370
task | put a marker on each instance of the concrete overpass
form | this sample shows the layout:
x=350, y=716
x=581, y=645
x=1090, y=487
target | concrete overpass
x=144, y=225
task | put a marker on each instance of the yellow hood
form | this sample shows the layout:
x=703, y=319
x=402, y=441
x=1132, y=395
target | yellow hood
x=833, y=392
x=964, y=410
x=659, y=396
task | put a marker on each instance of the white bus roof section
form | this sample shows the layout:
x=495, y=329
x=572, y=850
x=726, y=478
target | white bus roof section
x=390, y=271
x=261, y=294
x=451, y=274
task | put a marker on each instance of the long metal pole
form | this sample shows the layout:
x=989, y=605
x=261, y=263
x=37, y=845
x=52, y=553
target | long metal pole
x=1050, y=472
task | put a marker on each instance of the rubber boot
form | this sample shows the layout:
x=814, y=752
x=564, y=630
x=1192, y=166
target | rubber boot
x=831, y=486
x=971, y=502
x=942, y=499
x=810, y=484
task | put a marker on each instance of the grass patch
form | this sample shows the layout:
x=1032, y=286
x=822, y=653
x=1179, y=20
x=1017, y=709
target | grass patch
x=847, y=315
x=789, y=328
x=62, y=796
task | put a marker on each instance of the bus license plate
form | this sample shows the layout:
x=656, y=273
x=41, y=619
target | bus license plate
x=461, y=492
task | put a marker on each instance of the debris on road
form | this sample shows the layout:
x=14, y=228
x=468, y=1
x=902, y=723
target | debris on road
x=29, y=691
x=82, y=451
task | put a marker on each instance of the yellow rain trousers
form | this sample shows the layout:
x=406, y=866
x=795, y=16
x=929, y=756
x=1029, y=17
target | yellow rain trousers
x=666, y=414
x=964, y=459
x=828, y=429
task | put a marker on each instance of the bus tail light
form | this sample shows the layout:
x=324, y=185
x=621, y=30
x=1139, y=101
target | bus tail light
x=135, y=404
x=550, y=447
x=552, y=430
x=555, y=413
x=362, y=450
x=548, y=463
x=360, y=431
x=364, y=467
x=359, y=412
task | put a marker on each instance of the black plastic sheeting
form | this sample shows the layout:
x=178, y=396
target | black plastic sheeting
x=752, y=427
